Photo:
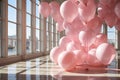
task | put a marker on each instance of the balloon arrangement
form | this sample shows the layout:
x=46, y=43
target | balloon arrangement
x=83, y=43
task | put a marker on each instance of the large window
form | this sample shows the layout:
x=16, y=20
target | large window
x=28, y=27
x=111, y=35
x=28, y=32
x=12, y=27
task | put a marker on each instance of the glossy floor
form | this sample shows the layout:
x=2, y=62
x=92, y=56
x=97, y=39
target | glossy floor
x=43, y=69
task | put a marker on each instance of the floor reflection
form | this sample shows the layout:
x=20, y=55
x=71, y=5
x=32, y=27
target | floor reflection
x=43, y=69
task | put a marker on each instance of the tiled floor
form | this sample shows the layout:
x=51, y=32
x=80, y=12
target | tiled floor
x=43, y=69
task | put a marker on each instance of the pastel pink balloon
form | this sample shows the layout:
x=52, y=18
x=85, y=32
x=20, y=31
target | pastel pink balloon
x=64, y=41
x=117, y=10
x=54, y=53
x=102, y=11
x=80, y=56
x=108, y=3
x=92, y=60
x=67, y=60
x=44, y=9
x=111, y=19
x=87, y=9
x=68, y=11
x=100, y=38
x=74, y=38
x=71, y=46
x=95, y=24
x=73, y=28
x=87, y=37
x=105, y=53
x=55, y=11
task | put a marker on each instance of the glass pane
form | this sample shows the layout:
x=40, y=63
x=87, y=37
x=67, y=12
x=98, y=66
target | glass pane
x=28, y=20
x=28, y=46
x=37, y=10
x=28, y=39
x=12, y=40
x=111, y=29
x=37, y=1
x=12, y=14
x=37, y=45
x=37, y=23
x=12, y=2
x=111, y=36
x=28, y=6
x=37, y=34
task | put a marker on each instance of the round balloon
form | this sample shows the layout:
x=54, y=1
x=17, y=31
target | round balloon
x=44, y=9
x=54, y=53
x=117, y=10
x=105, y=53
x=80, y=56
x=100, y=38
x=55, y=11
x=86, y=10
x=67, y=60
x=92, y=60
x=87, y=38
x=69, y=11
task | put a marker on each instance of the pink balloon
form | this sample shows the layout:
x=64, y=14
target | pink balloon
x=80, y=56
x=54, y=53
x=68, y=11
x=87, y=9
x=100, y=38
x=73, y=28
x=92, y=60
x=74, y=38
x=71, y=46
x=102, y=11
x=55, y=11
x=44, y=9
x=111, y=19
x=105, y=53
x=67, y=60
x=64, y=41
x=108, y=3
x=117, y=10
x=95, y=24
x=87, y=37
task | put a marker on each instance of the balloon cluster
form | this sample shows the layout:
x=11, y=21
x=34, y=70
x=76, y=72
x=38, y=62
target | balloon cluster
x=83, y=43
